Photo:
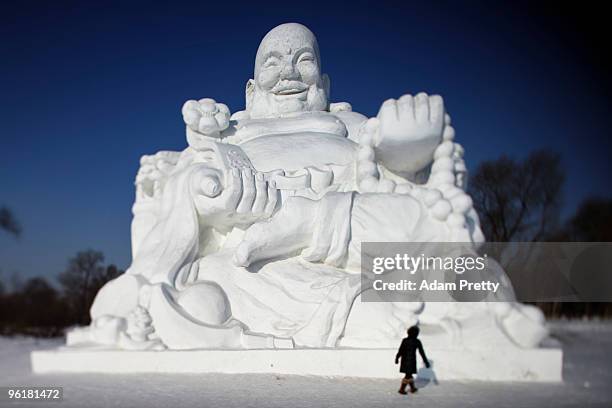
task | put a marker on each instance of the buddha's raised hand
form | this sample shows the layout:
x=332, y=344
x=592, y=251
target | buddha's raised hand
x=410, y=128
x=206, y=116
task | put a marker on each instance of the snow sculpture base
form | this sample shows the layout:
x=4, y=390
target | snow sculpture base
x=539, y=365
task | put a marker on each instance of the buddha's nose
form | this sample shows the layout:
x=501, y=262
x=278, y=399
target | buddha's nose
x=289, y=72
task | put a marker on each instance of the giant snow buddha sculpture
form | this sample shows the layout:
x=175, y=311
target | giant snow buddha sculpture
x=250, y=237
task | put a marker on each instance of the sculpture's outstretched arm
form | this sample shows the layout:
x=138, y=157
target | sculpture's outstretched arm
x=330, y=230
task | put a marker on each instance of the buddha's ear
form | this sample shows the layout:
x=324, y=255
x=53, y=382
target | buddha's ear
x=325, y=84
x=250, y=89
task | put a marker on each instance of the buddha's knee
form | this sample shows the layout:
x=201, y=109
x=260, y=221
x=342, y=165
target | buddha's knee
x=205, y=302
x=197, y=317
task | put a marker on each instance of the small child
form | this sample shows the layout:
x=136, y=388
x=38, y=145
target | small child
x=407, y=352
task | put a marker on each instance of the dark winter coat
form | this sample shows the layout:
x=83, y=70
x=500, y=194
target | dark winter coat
x=407, y=352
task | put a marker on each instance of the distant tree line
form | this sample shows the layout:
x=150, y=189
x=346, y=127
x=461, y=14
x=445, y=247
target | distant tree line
x=37, y=308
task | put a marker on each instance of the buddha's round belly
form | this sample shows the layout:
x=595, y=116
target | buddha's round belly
x=300, y=150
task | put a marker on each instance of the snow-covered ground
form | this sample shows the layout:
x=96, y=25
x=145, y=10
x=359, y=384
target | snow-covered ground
x=587, y=370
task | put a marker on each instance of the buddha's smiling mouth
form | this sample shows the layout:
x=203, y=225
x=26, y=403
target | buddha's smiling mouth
x=289, y=88
x=290, y=91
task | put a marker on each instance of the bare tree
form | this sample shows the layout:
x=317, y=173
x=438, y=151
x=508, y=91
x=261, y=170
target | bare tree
x=8, y=222
x=82, y=280
x=110, y=272
x=519, y=200
x=592, y=221
x=78, y=281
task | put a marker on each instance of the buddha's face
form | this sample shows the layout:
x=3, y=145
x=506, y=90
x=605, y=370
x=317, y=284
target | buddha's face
x=287, y=74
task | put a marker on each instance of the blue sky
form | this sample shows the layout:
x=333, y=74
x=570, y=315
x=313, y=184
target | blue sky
x=86, y=89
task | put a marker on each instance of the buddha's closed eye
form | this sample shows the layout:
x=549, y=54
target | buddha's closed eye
x=271, y=62
x=306, y=57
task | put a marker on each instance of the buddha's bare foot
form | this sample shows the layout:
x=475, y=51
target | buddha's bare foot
x=287, y=232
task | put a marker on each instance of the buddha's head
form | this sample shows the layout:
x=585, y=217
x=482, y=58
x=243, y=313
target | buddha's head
x=287, y=76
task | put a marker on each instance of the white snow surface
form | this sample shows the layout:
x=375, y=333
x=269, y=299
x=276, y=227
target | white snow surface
x=587, y=372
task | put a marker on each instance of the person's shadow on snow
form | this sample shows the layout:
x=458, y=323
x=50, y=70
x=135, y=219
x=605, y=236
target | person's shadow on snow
x=425, y=376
